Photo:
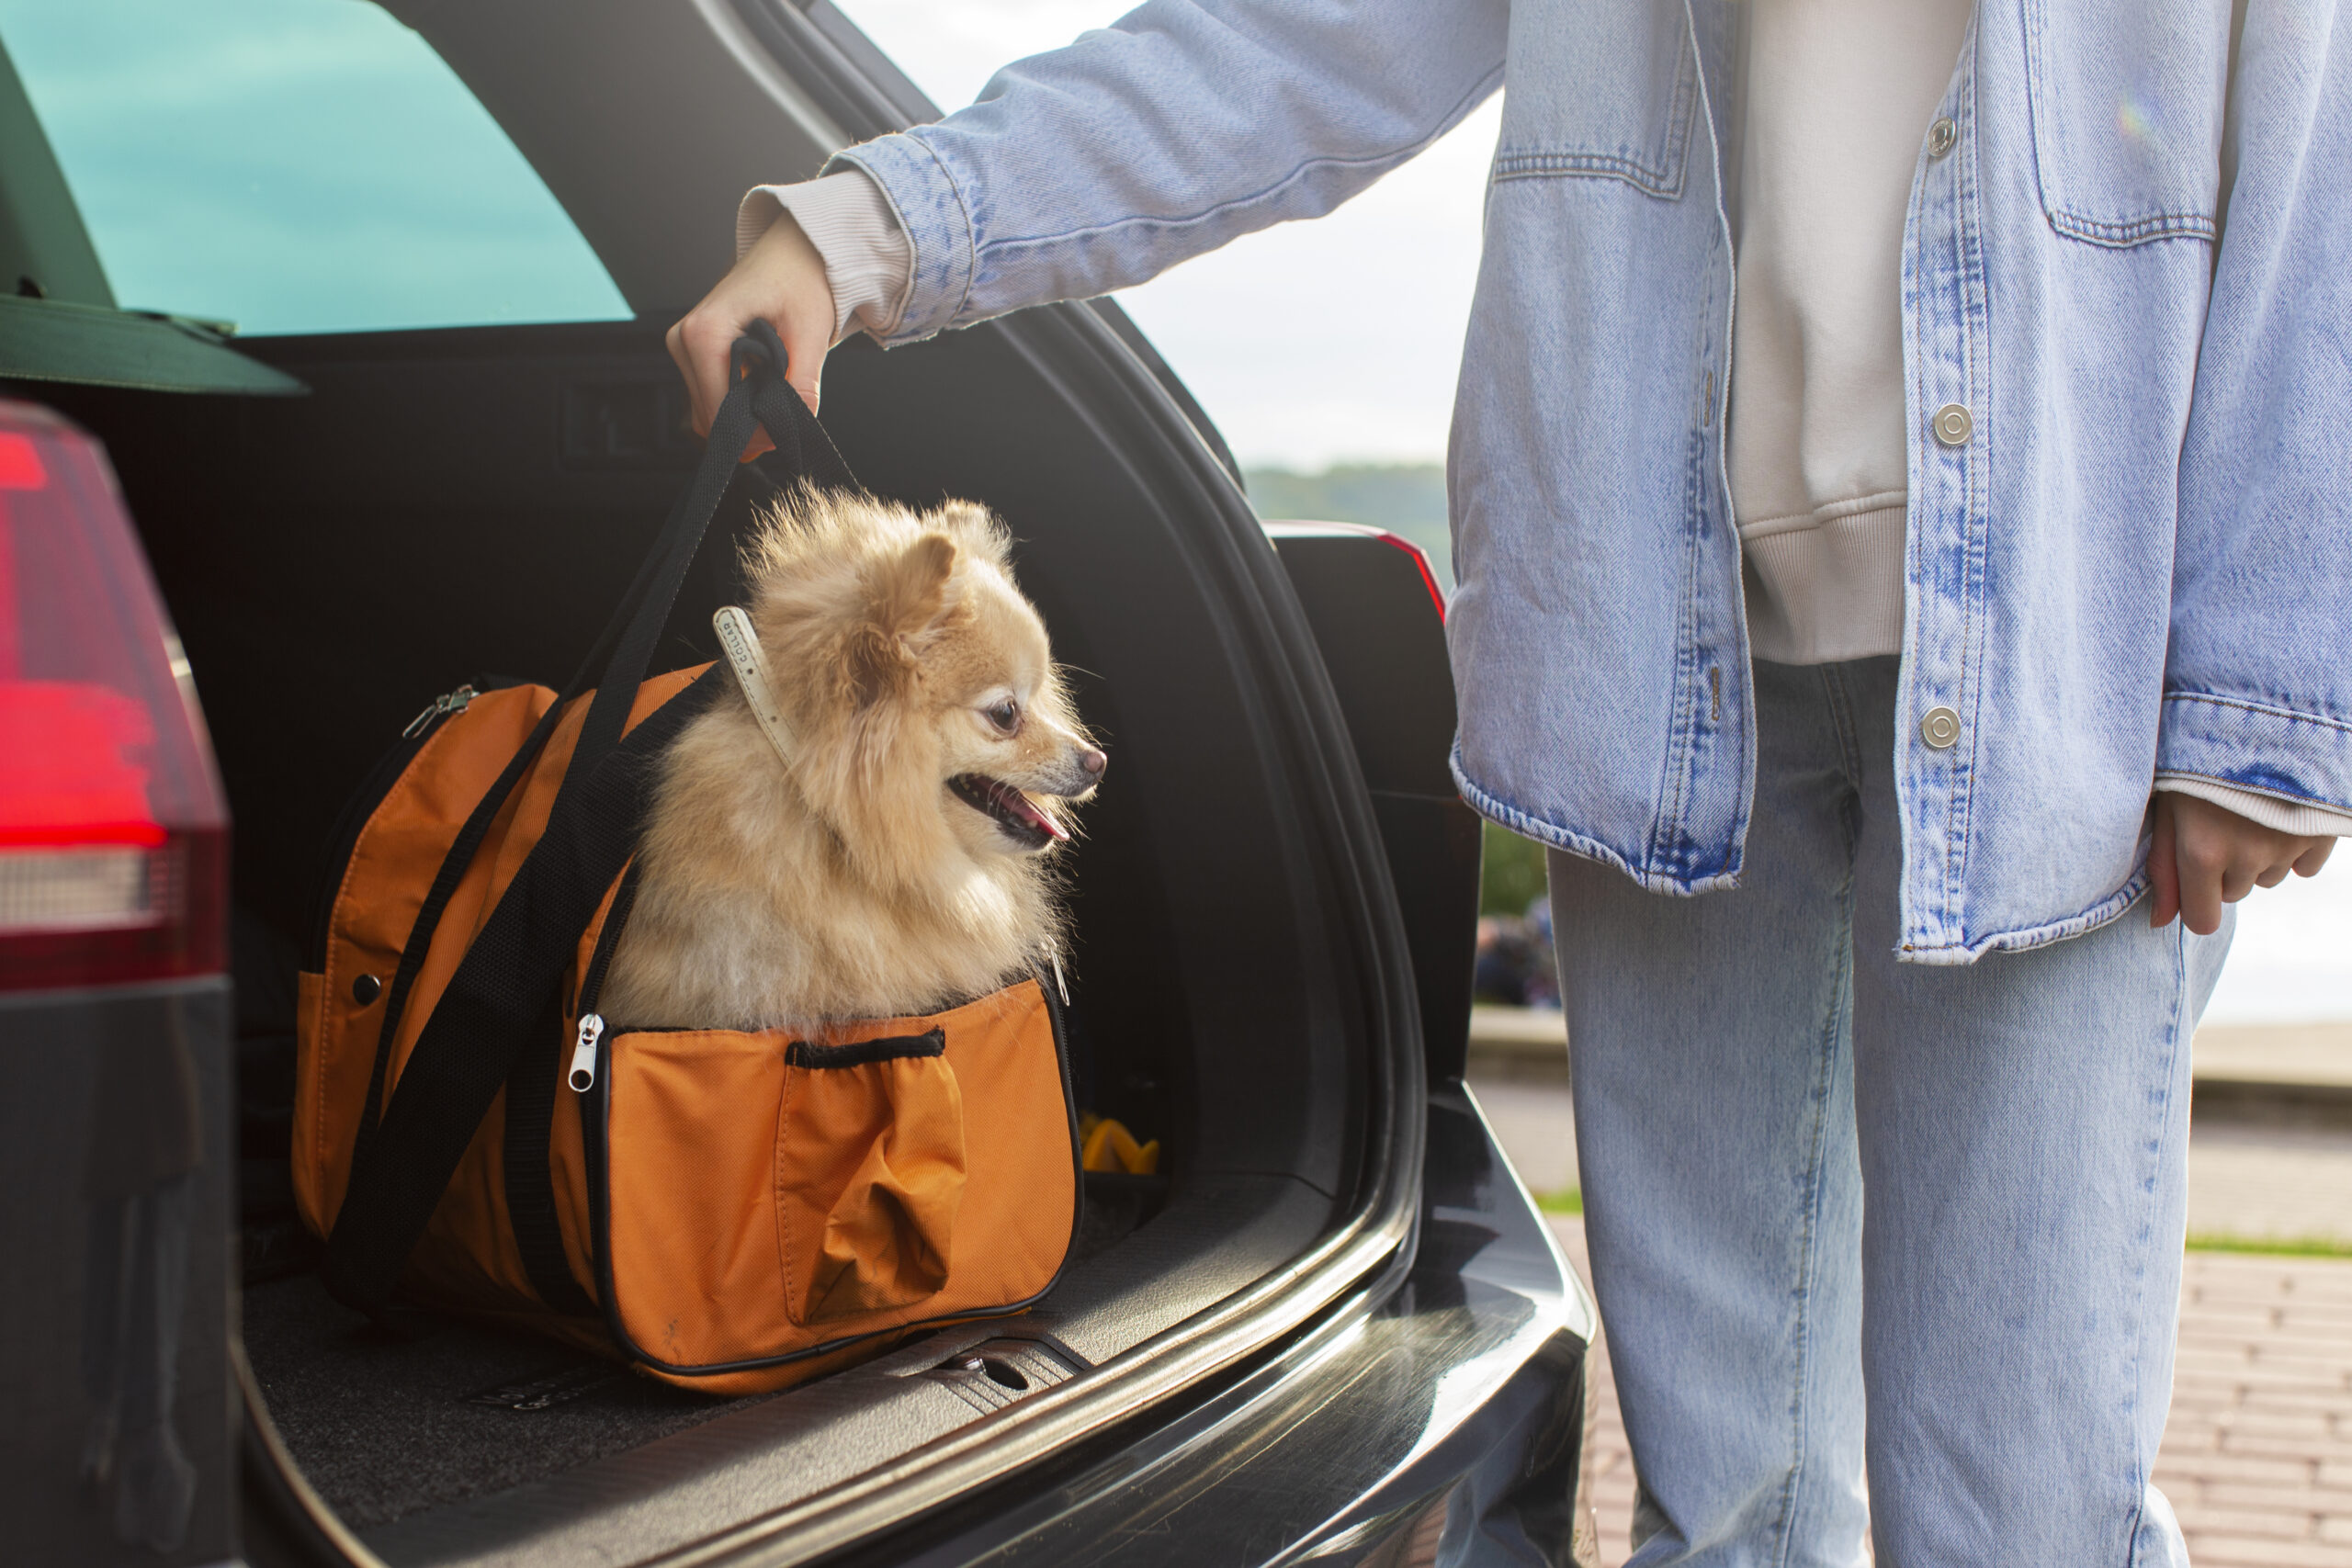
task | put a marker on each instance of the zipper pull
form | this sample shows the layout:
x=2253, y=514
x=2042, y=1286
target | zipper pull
x=441, y=707
x=582, y=1077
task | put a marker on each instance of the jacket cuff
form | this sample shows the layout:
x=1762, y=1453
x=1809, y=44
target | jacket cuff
x=933, y=214
x=2302, y=821
x=867, y=259
x=2298, y=759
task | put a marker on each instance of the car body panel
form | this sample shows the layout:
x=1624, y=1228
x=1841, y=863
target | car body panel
x=112, y=1255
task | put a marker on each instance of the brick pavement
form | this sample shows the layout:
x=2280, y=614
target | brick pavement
x=2257, y=1459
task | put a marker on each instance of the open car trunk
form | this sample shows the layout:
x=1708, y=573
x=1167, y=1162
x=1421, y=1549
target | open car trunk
x=447, y=503
x=450, y=503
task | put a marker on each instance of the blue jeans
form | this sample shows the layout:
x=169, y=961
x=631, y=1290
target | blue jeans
x=1848, y=1214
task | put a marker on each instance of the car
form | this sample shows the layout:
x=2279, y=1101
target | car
x=1331, y=1327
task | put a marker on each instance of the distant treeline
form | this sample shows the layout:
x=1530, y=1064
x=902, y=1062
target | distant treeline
x=1404, y=498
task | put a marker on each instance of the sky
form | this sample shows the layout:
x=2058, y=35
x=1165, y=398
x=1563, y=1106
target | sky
x=1310, y=343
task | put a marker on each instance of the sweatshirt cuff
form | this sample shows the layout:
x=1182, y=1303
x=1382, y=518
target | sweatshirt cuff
x=2279, y=816
x=868, y=262
x=933, y=213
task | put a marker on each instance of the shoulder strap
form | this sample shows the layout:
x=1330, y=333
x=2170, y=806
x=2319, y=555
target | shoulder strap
x=507, y=985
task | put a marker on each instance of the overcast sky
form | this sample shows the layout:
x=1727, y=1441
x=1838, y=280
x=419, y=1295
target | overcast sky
x=1315, y=343
x=1309, y=342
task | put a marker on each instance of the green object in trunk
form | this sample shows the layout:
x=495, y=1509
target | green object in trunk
x=50, y=340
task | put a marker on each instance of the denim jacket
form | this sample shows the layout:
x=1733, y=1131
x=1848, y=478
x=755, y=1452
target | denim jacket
x=2127, y=298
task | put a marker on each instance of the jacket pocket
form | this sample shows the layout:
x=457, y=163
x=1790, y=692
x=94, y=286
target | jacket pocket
x=869, y=1174
x=2127, y=104
x=1602, y=90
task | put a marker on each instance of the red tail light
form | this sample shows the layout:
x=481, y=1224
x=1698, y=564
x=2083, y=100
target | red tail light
x=113, y=833
x=1421, y=564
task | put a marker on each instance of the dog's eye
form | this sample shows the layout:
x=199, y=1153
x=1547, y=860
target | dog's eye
x=1006, y=715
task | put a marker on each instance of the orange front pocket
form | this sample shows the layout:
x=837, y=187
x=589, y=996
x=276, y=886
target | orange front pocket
x=767, y=1206
x=869, y=1174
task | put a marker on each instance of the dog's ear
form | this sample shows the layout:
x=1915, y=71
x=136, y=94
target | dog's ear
x=906, y=596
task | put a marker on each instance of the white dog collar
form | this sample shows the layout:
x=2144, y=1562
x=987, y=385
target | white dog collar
x=751, y=666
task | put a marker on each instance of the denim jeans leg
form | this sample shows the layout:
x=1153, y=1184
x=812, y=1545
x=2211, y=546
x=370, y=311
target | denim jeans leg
x=2023, y=1127
x=1713, y=1068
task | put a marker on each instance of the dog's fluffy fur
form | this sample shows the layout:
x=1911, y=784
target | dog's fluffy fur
x=897, y=863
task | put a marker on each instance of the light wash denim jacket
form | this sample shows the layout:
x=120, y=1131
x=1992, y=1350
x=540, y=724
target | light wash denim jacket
x=2131, y=270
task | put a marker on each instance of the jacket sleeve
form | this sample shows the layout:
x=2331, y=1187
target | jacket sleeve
x=2258, y=681
x=1182, y=125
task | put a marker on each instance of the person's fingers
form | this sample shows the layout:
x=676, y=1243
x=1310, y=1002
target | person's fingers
x=2202, y=850
x=2163, y=869
x=805, y=347
x=2274, y=874
x=781, y=279
x=2238, y=872
x=2310, y=859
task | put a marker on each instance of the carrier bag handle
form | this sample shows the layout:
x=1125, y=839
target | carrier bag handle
x=510, y=980
x=758, y=393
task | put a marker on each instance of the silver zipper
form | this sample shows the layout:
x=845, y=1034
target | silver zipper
x=440, y=707
x=582, y=1077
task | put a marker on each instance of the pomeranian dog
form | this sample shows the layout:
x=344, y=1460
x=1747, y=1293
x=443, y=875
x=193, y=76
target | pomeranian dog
x=883, y=850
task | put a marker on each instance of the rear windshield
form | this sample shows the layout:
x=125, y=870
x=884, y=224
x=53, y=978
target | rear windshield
x=291, y=166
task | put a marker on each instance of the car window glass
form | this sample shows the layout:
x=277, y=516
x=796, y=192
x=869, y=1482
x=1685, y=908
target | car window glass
x=294, y=166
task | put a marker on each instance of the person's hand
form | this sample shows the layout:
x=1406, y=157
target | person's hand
x=2205, y=856
x=781, y=279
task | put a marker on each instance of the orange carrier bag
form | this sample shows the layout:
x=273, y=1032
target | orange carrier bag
x=730, y=1211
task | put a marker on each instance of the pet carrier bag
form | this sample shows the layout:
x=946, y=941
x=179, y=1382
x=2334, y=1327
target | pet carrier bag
x=730, y=1211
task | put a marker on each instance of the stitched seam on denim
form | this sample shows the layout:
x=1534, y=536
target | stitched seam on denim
x=2025, y=939
x=1671, y=838
x=2266, y=709
x=914, y=246
x=1711, y=437
x=838, y=163
x=1568, y=841
x=1810, y=1240
x=2145, y=1241
x=1485, y=87
x=1680, y=745
x=1586, y=166
x=971, y=230
x=2112, y=234
x=1975, y=319
x=2121, y=236
x=1665, y=181
x=1668, y=830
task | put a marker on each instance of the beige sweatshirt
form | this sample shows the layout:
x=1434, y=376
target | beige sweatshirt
x=1841, y=100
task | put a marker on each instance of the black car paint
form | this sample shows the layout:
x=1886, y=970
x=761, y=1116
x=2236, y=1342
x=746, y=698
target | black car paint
x=88, y=1081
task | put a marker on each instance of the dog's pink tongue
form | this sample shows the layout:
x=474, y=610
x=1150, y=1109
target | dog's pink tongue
x=1022, y=807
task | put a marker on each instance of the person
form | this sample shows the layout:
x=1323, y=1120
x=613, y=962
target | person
x=1900, y=508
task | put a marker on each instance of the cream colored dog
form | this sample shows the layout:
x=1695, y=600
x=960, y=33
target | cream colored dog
x=887, y=854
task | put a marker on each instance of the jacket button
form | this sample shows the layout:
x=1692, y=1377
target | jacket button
x=366, y=989
x=1940, y=728
x=1953, y=424
x=1940, y=137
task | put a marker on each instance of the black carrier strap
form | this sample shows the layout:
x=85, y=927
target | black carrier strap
x=496, y=1025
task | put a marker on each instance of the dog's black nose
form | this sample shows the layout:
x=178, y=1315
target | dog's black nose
x=1093, y=761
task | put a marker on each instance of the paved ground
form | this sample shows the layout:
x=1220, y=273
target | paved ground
x=2257, y=1458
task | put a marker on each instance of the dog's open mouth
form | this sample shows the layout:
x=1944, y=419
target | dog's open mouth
x=1012, y=810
